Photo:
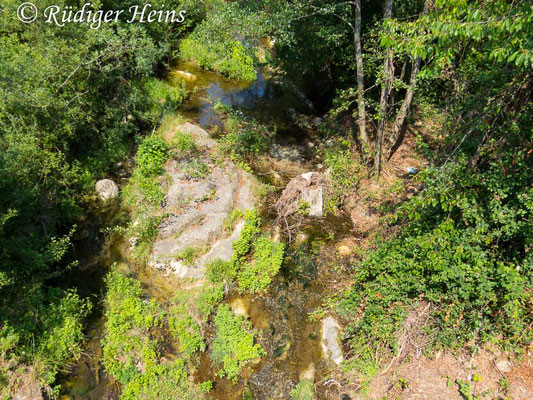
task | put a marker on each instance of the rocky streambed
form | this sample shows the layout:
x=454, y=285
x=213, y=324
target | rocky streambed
x=196, y=212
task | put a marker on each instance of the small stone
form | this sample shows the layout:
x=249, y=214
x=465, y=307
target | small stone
x=187, y=76
x=310, y=145
x=308, y=373
x=301, y=238
x=107, y=189
x=320, y=166
x=503, y=365
x=344, y=250
x=239, y=307
x=81, y=235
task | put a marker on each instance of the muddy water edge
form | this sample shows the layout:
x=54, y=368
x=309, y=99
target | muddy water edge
x=291, y=338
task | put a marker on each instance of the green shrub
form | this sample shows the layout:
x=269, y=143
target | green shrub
x=303, y=391
x=230, y=58
x=63, y=333
x=151, y=155
x=252, y=227
x=208, y=299
x=184, y=143
x=152, y=97
x=462, y=250
x=187, y=331
x=219, y=271
x=128, y=347
x=162, y=382
x=233, y=346
x=189, y=254
x=268, y=257
x=245, y=137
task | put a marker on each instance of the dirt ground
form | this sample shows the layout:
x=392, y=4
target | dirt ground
x=491, y=375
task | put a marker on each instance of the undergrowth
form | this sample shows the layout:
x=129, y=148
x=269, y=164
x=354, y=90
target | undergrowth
x=464, y=247
x=233, y=346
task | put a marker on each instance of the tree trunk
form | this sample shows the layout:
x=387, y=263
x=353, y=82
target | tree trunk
x=385, y=91
x=406, y=105
x=360, y=73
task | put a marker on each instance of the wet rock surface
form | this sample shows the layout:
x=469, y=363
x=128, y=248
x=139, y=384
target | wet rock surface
x=198, y=209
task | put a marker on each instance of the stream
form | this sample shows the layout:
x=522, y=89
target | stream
x=291, y=338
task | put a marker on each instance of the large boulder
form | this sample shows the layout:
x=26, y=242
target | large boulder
x=107, y=189
x=198, y=210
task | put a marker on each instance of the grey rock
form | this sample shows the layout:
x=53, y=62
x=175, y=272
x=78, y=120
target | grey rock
x=107, y=189
x=503, y=365
x=198, y=210
x=330, y=340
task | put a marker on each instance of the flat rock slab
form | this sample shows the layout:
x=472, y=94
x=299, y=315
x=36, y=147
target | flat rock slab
x=198, y=211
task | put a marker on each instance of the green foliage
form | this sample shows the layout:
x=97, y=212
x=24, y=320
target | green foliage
x=303, y=391
x=75, y=100
x=229, y=58
x=151, y=155
x=131, y=343
x=162, y=382
x=184, y=143
x=209, y=298
x=345, y=170
x=189, y=254
x=268, y=257
x=196, y=168
x=219, y=271
x=213, y=44
x=251, y=276
x=156, y=97
x=184, y=328
x=505, y=40
x=128, y=347
x=462, y=249
x=62, y=333
x=252, y=227
x=245, y=137
x=233, y=346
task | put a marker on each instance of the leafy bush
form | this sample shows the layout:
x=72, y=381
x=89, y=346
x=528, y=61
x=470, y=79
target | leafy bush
x=230, y=58
x=233, y=346
x=268, y=257
x=245, y=137
x=63, y=333
x=208, y=299
x=184, y=143
x=132, y=340
x=127, y=346
x=162, y=382
x=151, y=155
x=143, y=195
x=155, y=97
x=186, y=330
x=463, y=248
x=303, y=391
x=219, y=271
x=252, y=225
